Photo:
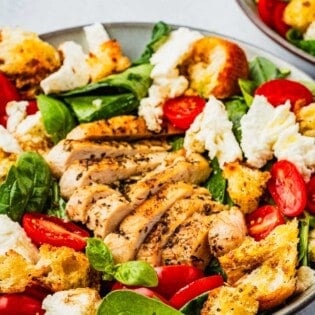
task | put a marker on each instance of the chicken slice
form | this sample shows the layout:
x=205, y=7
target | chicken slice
x=227, y=231
x=189, y=244
x=118, y=127
x=66, y=152
x=193, y=169
x=106, y=171
x=83, y=198
x=150, y=250
x=125, y=243
x=106, y=214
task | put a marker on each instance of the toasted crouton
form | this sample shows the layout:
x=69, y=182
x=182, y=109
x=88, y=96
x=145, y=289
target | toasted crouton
x=214, y=67
x=66, y=268
x=26, y=59
x=245, y=185
x=306, y=119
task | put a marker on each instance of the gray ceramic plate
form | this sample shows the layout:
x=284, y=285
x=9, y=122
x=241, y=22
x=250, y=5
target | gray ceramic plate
x=133, y=38
x=250, y=10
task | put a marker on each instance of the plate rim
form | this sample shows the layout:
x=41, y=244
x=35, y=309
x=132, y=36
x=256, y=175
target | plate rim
x=308, y=295
x=249, y=9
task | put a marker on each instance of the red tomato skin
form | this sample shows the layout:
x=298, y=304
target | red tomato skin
x=263, y=220
x=20, y=304
x=32, y=107
x=174, y=277
x=277, y=18
x=181, y=111
x=8, y=92
x=195, y=288
x=287, y=188
x=265, y=8
x=278, y=91
x=42, y=229
x=310, y=189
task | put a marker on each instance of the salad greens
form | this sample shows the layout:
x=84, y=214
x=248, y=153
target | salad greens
x=295, y=37
x=128, y=273
x=27, y=186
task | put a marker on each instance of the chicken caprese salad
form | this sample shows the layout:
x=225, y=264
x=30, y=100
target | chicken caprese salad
x=181, y=182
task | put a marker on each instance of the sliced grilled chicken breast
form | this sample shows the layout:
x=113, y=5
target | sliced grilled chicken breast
x=125, y=243
x=83, y=198
x=66, y=151
x=85, y=172
x=189, y=244
x=150, y=249
x=119, y=127
x=193, y=169
x=106, y=214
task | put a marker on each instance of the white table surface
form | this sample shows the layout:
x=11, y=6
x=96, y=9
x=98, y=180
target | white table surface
x=220, y=16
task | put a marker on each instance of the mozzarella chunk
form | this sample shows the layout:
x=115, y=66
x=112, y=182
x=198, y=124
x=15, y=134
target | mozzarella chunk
x=16, y=112
x=95, y=35
x=81, y=301
x=13, y=237
x=72, y=74
x=7, y=142
x=212, y=131
x=167, y=82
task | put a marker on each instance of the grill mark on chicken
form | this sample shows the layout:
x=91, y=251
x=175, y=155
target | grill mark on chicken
x=83, y=198
x=150, y=250
x=119, y=127
x=189, y=243
x=66, y=151
x=85, y=172
x=125, y=243
x=193, y=169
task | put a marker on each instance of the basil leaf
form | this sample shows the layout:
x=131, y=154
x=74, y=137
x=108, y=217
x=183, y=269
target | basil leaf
x=177, y=143
x=295, y=37
x=56, y=205
x=195, y=306
x=304, y=227
x=58, y=119
x=90, y=108
x=136, y=273
x=121, y=302
x=248, y=89
x=159, y=35
x=99, y=255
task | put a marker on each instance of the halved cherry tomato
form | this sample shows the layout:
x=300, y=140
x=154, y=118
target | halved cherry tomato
x=287, y=188
x=37, y=291
x=263, y=220
x=195, y=288
x=310, y=189
x=174, y=277
x=181, y=111
x=8, y=92
x=32, y=107
x=278, y=91
x=42, y=229
x=277, y=18
x=20, y=304
x=265, y=9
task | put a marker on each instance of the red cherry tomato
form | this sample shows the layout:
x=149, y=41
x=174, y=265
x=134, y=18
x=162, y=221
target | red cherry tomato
x=287, y=188
x=37, y=291
x=195, y=288
x=278, y=91
x=8, y=92
x=263, y=220
x=265, y=9
x=20, y=304
x=32, y=107
x=277, y=18
x=310, y=189
x=181, y=111
x=42, y=229
x=174, y=277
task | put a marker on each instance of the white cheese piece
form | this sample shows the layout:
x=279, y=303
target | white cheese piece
x=95, y=35
x=73, y=73
x=310, y=32
x=16, y=112
x=7, y=142
x=81, y=301
x=30, y=123
x=212, y=131
x=12, y=236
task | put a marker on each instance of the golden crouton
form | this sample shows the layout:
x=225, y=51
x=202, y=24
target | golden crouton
x=107, y=60
x=26, y=59
x=227, y=300
x=6, y=161
x=214, y=67
x=306, y=119
x=16, y=272
x=299, y=14
x=245, y=185
x=66, y=268
x=269, y=265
